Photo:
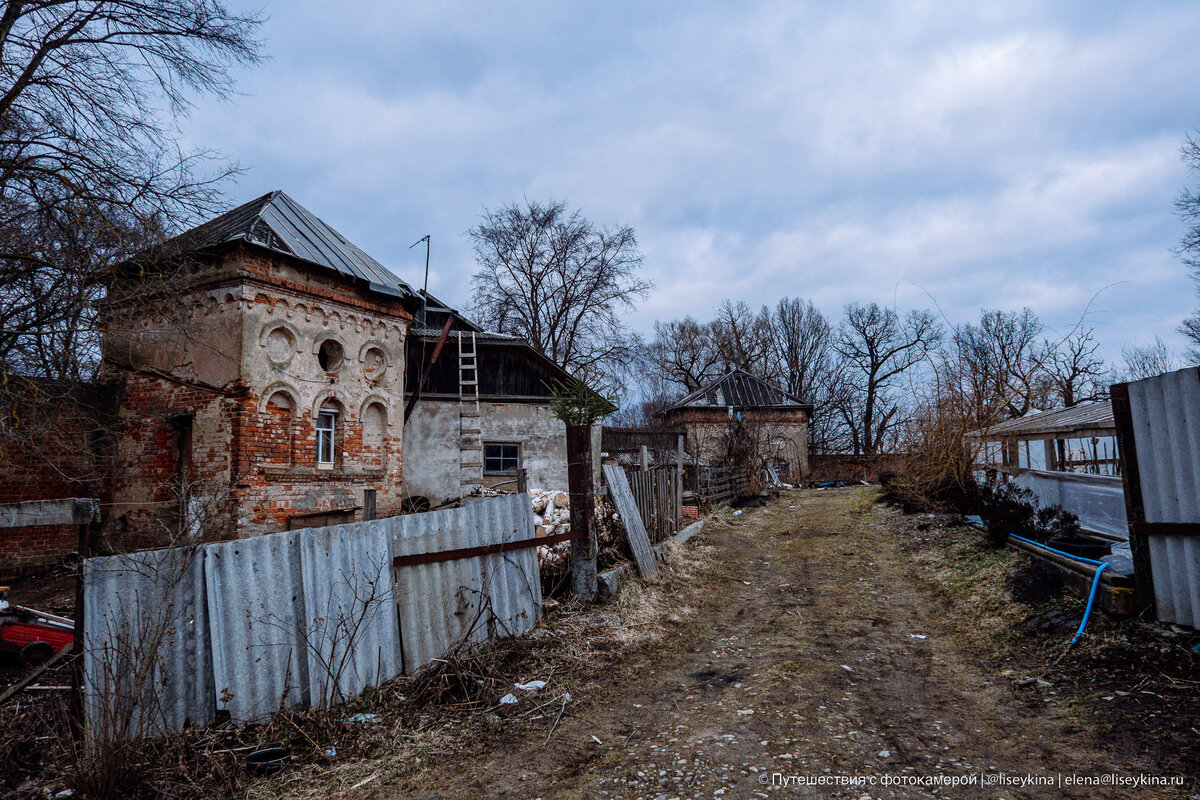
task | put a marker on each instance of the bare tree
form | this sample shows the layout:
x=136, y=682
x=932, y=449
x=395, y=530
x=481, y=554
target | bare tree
x=91, y=172
x=743, y=338
x=1001, y=361
x=89, y=163
x=1187, y=206
x=552, y=277
x=1146, y=361
x=683, y=354
x=803, y=357
x=879, y=345
x=801, y=345
x=1073, y=372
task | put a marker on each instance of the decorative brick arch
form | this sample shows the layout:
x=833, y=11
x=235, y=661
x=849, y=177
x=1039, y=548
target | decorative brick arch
x=279, y=387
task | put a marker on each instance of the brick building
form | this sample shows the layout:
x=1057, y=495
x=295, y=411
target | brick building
x=271, y=399
x=266, y=394
x=777, y=419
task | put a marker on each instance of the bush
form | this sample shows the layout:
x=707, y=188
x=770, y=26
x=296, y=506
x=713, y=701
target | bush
x=1009, y=509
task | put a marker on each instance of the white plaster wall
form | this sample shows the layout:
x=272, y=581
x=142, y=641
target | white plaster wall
x=542, y=435
x=431, y=446
x=431, y=451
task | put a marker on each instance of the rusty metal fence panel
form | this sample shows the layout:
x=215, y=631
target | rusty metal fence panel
x=1164, y=417
x=469, y=599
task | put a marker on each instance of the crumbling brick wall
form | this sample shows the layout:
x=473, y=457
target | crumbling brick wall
x=269, y=343
x=57, y=439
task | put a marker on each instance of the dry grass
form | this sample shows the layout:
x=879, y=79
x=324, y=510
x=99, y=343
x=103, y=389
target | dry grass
x=956, y=561
x=405, y=725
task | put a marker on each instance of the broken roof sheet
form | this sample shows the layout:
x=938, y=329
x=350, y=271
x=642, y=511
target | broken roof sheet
x=1096, y=418
x=740, y=390
x=277, y=222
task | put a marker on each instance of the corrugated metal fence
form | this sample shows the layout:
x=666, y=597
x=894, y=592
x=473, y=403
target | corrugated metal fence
x=1158, y=426
x=307, y=617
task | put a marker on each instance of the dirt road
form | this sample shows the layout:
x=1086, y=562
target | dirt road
x=801, y=649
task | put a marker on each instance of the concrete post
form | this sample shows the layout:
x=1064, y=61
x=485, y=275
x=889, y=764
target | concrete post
x=583, y=508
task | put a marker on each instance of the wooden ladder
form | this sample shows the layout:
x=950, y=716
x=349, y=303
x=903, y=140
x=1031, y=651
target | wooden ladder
x=470, y=476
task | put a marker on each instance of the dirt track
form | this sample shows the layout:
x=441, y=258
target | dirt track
x=794, y=656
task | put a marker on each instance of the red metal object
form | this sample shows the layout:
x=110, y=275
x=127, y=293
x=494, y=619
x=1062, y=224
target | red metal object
x=15, y=634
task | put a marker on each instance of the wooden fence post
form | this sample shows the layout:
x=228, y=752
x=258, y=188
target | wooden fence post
x=583, y=511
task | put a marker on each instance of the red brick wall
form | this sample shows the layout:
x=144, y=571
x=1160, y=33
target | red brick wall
x=55, y=445
x=146, y=490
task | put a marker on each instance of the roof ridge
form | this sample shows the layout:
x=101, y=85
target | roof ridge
x=293, y=230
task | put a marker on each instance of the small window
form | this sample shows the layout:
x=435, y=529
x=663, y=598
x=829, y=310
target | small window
x=326, y=425
x=501, y=456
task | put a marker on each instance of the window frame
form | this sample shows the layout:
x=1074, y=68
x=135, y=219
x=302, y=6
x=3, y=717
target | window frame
x=327, y=435
x=503, y=471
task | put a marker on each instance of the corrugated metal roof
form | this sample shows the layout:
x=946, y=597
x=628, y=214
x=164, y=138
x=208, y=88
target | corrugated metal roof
x=740, y=390
x=1090, y=417
x=1165, y=412
x=277, y=222
x=436, y=333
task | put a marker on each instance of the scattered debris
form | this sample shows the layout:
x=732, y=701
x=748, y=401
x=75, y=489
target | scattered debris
x=268, y=761
x=509, y=699
x=531, y=686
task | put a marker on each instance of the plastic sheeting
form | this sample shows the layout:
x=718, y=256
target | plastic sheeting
x=1098, y=500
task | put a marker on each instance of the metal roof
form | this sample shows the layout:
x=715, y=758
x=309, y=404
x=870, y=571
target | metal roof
x=436, y=333
x=278, y=223
x=1092, y=417
x=740, y=390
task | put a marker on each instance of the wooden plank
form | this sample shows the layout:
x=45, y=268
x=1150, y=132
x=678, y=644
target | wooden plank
x=635, y=529
x=68, y=511
x=20, y=685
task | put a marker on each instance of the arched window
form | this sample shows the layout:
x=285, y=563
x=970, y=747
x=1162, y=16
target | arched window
x=374, y=424
x=279, y=424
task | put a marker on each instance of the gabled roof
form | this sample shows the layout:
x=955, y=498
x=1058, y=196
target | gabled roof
x=277, y=222
x=740, y=390
x=1094, y=419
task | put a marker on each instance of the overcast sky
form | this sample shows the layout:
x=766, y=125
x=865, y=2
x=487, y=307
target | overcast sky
x=969, y=154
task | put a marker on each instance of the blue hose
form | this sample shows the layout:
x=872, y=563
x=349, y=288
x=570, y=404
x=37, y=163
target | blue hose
x=1087, y=612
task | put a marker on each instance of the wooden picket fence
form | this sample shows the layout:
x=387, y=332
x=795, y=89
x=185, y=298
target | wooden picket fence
x=658, y=500
x=716, y=486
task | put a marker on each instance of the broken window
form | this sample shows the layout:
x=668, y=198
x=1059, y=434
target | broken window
x=501, y=456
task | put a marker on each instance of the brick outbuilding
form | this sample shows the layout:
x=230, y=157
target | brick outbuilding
x=776, y=418
x=270, y=397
